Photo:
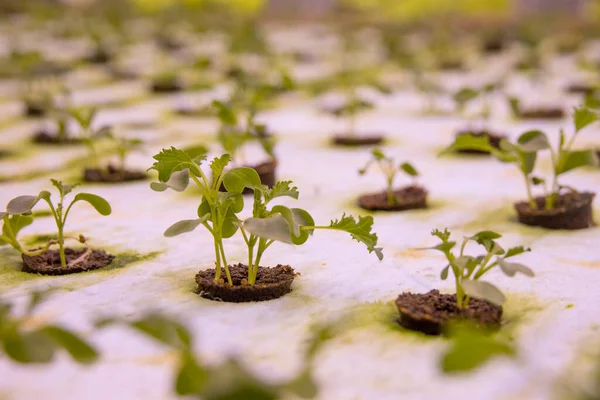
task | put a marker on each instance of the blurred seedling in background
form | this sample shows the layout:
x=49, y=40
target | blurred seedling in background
x=85, y=117
x=389, y=169
x=466, y=95
x=26, y=339
x=18, y=215
x=467, y=270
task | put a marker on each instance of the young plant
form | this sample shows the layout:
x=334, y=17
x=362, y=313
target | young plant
x=388, y=167
x=27, y=341
x=85, y=119
x=468, y=270
x=19, y=215
x=523, y=153
x=123, y=147
x=217, y=210
x=467, y=94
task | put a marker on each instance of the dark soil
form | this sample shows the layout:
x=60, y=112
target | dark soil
x=581, y=88
x=494, y=45
x=49, y=262
x=493, y=137
x=166, y=86
x=407, y=198
x=271, y=283
x=430, y=312
x=98, y=56
x=112, y=174
x=542, y=113
x=355, y=141
x=50, y=138
x=572, y=210
x=34, y=110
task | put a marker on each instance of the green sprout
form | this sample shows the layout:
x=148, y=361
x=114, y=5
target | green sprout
x=124, y=146
x=523, y=153
x=468, y=270
x=233, y=135
x=229, y=380
x=218, y=211
x=468, y=94
x=26, y=341
x=18, y=215
x=388, y=167
x=85, y=118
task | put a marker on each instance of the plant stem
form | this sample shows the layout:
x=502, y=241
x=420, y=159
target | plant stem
x=391, y=199
x=225, y=266
x=218, y=260
x=532, y=202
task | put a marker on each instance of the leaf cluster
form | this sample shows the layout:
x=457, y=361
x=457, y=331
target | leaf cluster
x=468, y=270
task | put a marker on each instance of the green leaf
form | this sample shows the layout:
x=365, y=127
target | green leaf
x=22, y=204
x=185, y=226
x=537, y=180
x=465, y=95
x=532, y=141
x=442, y=235
x=514, y=251
x=281, y=189
x=97, y=202
x=18, y=222
x=409, y=169
x=164, y=330
x=172, y=160
x=271, y=228
x=178, y=181
x=470, y=142
x=218, y=165
x=484, y=291
x=378, y=154
x=191, y=377
x=295, y=218
x=471, y=348
x=225, y=114
x=79, y=350
x=359, y=230
x=482, y=236
x=303, y=385
x=237, y=179
x=527, y=162
x=510, y=269
x=28, y=347
x=574, y=159
x=515, y=106
x=583, y=116
x=444, y=274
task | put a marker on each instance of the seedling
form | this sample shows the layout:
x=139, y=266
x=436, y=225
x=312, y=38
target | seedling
x=89, y=135
x=233, y=135
x=18, y=215
x=124, y=146
x=467, y=94
x=523, y=153
x=468, y=270
x=388, y=167
x=218, y=211
x=26, y=341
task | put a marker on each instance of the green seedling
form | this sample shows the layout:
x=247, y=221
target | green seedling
x=229, y=380
x=18, y=215
x=233, y=134
x=124, y=146
x=468, y=270
x=523, y=153
x=465, y=95
x=85, y=118
x=218, y=211
x=26, y=341
x=388, y=167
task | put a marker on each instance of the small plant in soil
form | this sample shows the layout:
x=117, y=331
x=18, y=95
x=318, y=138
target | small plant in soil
x=234, y=135
x=475, y=300
x=167, y=81
x=43, y=260
x=478, y=123
x=37, y=99
x=561, y=207
x=117, y=172
x=407, y=198
x=229, y=380
x=60, y=134
x=89, y=135
x=26, y=340
x=218, y=213
x=519, y=112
